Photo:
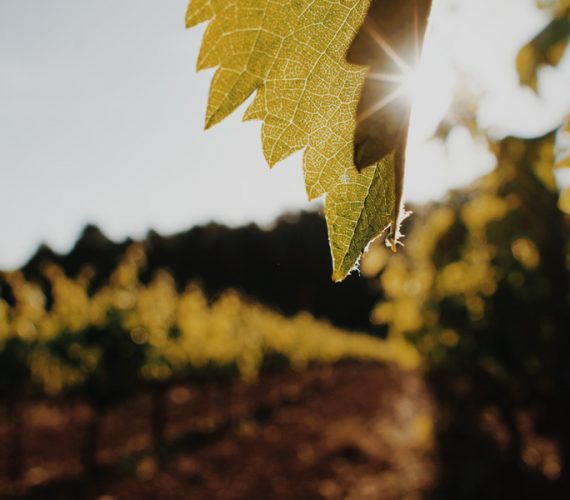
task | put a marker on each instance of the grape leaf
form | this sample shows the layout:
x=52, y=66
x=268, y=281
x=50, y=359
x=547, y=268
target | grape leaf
x=292, y=54
x=389, y=43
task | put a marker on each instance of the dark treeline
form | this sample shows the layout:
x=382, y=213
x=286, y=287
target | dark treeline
x=287, y=266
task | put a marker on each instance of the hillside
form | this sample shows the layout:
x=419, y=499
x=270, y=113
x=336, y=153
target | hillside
x=286, y=266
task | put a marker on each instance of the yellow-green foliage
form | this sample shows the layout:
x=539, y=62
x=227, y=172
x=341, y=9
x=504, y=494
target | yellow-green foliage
x=481, y=261
x=547, y=48
x=415, y=284
x=180, y=330
x=292, y=54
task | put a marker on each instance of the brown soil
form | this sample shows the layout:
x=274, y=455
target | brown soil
x=349, y=432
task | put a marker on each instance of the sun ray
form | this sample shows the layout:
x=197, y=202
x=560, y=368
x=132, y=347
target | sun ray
x=405, y=80
x=390, y=52
x=382, y=103
x=387, y=77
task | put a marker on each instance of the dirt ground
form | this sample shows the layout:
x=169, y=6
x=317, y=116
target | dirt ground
x=351, y=432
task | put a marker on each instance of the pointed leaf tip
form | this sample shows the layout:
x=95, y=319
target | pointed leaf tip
x=310, y=102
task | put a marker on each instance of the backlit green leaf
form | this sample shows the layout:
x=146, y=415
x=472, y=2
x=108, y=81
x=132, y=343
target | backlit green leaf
x=292, y=55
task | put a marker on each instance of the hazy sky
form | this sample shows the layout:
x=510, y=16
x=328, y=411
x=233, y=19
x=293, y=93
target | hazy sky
x=101, y=116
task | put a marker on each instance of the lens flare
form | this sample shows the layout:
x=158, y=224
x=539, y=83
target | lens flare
x=404, y=79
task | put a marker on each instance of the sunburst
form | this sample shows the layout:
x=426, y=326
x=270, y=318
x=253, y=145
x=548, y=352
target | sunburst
x=405, y=78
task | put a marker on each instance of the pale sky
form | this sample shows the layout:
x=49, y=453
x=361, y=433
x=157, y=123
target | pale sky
x=101, y=119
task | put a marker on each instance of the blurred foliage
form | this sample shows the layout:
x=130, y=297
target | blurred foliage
x=481, y=289
x=100, y=345
x=461, y=112
x=482, y=285
x=547, y=48
x=293, y=252
x=562, y=148
x=486, y=271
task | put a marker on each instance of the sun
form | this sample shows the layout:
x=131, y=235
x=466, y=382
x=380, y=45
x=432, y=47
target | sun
x=411, y=85
x=425, y=84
